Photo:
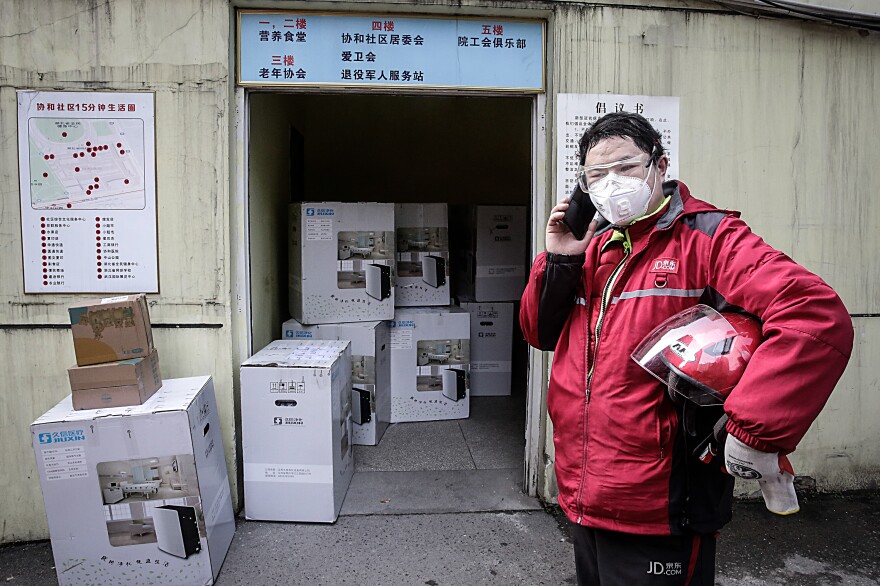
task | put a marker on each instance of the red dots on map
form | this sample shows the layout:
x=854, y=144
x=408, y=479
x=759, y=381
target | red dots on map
x=69, y=205
x=121, y=152
x=76, y=169
x=42, y=225
x=99, y=270
x=43, y=219
x=89, y=191
x=88, y=150
x=99, y=257
x=126, y=181
x=45, y=264
x=64, y=135
x=99, y=276
x=75, y=155
x=99, y=263
x=88, y=143
x=51, y=156
x=93, y=154
x=45, y=257
x=45, y=282
x=97, y=231
x=42, y=231
x=119, y=145
x=45, y=174
x=91, y=187
x=97, y=179
x=97, y=238
x=46, y=157
x=97, y=225
x=98, y=219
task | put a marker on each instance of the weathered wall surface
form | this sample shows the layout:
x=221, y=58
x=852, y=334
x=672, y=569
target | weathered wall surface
x=179, y=50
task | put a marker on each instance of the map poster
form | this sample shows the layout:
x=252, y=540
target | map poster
x=87, y=180
x=576, y=113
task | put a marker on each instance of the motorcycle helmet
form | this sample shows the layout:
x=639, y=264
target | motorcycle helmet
x=699, y=353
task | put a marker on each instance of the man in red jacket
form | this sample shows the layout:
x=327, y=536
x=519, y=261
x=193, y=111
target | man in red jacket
x=644, y=508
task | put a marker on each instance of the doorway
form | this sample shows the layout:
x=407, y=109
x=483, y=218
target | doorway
x=350, y=147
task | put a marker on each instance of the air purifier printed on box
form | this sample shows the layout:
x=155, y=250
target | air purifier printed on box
x=342, y=259
x=422, y=254
x=137, y=494
x=370, y=372
x=430, y=364
x=296, y=430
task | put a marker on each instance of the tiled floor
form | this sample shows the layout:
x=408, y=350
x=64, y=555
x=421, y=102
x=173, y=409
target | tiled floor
x=464, y=465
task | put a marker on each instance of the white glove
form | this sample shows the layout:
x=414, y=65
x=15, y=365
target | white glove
x=773, y=472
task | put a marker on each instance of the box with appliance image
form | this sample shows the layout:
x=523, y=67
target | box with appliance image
x=490, y=252
x=422, y=254
x=341, y=262
x=430, y=364
x=491, y=347
x=296, y=430
x=137, y=494
x=370, y=372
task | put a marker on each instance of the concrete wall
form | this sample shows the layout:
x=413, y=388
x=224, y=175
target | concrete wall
x=777, y=121
x=180, y=50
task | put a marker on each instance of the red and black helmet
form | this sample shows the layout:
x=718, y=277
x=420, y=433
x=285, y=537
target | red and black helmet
x=699, y=353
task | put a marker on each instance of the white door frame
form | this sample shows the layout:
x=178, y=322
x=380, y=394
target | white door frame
x=240, y=254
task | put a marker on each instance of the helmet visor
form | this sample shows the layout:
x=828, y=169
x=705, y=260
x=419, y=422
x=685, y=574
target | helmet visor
x=688, y=353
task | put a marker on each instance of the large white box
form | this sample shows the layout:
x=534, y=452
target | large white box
x=491, y=347
x=296, y=430
x=370, y=372
x=422, y=254
x=112, y=478
x=490, y=258
x=430, y=363
x=341, y=262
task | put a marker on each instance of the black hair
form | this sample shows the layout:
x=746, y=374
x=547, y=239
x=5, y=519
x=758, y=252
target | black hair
x=625, y=125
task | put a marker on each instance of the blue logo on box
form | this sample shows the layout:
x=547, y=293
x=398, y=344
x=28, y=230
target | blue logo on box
x=59, y=437
x=310, y=211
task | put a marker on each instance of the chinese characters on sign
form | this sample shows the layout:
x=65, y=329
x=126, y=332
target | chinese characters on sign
x=87, y=192
x=284, y=49
x=577, y=112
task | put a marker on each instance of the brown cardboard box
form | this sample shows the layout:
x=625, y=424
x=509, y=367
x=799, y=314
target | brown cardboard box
x=111, y=329
x=115, y=384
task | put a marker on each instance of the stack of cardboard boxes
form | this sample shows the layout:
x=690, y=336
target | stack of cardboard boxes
x=376, y=278
x=133, y=471
x=116, y=362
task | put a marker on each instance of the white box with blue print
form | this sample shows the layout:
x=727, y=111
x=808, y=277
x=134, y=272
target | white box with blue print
x=137, y=494
x=341, y=262
x=370, y=371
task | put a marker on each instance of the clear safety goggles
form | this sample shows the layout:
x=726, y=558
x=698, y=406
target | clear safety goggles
x=632, y=167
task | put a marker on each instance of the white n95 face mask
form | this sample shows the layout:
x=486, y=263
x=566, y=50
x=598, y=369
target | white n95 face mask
x=621, y=199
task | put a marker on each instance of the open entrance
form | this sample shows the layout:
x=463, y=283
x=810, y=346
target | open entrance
x=393, y=148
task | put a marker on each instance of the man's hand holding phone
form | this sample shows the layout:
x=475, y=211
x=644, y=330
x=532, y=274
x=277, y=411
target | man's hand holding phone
x=560, y=238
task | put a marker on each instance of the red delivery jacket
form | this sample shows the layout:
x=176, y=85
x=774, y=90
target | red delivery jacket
x=622, y=461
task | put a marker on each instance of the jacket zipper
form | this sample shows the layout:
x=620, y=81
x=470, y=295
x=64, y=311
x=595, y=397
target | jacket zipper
x=606, y=296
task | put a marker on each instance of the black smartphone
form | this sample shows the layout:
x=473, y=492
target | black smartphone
x=580, y=212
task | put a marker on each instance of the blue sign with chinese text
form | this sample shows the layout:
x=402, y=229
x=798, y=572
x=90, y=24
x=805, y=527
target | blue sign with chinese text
x=290, y=49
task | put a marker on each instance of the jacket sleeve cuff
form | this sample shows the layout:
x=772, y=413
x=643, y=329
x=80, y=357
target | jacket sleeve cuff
x=577, y=259
x=750, y=440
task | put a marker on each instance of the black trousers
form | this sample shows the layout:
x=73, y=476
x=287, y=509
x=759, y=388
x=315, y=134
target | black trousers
x=609, y=558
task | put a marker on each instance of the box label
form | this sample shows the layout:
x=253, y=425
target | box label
x=319, y=229
x=491, y=366
x=303, y=473
x=500, y=271
x=401, y=338
x=113, y=299
x=65, y=463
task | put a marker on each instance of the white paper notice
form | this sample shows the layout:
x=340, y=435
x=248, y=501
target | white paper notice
x=87, y=171
x=577, y=112
x=65, y=463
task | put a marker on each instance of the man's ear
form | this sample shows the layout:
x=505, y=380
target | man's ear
x=663, y=165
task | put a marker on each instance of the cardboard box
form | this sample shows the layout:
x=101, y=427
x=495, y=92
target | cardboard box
x=296, y=430
x=370, y=372
x=341, y=262
x=430, y=363
x=491, y=347
x=490, y=256
x=113, y=478
x=422, y=254
x=115, y=384
x=111, y=329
